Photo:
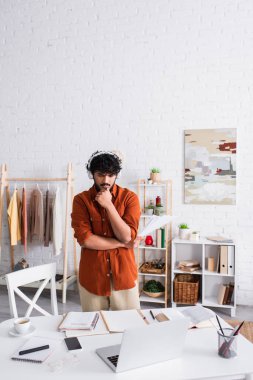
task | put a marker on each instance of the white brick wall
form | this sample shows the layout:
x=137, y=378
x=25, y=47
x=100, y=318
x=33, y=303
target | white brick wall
x=77, y=76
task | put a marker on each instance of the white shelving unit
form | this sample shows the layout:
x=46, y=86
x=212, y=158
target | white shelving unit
x=146, y=192
x=209, y=281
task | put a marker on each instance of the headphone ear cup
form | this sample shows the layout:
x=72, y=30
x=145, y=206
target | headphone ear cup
x=90, y=175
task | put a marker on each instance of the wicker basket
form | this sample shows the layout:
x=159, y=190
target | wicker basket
x=148, y=267
x=186, y=289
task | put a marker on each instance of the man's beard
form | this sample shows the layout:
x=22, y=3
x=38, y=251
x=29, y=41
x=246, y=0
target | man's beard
x=101, y=186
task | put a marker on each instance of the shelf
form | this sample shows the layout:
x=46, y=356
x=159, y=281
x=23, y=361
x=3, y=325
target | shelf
x=144, y=298
x=210, y=273
x=147, y=192
x=36, y=284
x=148, y=247
x=152, y=185
x=210, y=281
x=183, y=272
x=152, y=274
x=202, y=240
x=212, y=302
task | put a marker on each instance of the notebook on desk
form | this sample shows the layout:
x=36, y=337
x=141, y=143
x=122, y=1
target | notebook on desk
x=146, y=345
x=37, y=356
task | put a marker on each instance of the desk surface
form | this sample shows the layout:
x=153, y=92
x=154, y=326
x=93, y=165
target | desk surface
x=199, y=360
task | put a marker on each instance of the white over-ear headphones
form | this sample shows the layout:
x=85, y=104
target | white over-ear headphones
x=90, y=175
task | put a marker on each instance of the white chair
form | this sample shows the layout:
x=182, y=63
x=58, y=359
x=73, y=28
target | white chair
x=26, y=276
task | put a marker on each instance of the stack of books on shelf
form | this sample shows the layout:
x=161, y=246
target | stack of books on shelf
x=160, y=238
x=219, y=239
x=225, y=294
x=188, y=265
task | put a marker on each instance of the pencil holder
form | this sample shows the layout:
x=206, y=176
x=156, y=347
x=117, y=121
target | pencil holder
x=227, y=343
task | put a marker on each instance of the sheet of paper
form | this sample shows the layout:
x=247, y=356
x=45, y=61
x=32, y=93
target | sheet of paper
x=120, y=320
x=156, y=222
x=197, y=314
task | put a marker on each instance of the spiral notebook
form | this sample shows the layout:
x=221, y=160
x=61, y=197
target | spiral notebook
x=39, y=356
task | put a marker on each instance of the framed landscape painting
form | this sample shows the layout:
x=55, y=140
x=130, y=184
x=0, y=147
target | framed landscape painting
x=210, y=166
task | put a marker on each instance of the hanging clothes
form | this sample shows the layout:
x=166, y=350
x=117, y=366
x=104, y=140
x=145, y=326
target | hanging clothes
x=36, y=216
x=13, y=218
x=48, y=220
x=24, y=221
x=57, y=223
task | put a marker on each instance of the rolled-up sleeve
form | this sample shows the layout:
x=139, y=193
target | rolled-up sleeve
x=80, y=220
x=132, y=214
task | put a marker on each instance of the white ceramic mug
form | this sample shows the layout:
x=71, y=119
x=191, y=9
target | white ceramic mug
x=22, y=325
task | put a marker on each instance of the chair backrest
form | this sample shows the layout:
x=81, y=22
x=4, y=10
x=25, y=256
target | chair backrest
x=23, y=277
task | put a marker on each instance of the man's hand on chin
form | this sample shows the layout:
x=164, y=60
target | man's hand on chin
x=104, y=198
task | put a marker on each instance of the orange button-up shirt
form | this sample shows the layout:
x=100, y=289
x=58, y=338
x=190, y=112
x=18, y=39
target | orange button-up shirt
x=96, y=266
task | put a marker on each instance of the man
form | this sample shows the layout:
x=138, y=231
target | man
x=105, y=220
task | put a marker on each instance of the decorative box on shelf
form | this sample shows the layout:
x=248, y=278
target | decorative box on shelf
x=152, y=267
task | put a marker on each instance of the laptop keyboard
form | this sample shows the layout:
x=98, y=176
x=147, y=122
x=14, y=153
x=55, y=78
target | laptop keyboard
x=113, y=360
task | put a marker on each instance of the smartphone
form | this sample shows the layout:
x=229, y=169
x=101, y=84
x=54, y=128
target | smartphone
x=73, y=344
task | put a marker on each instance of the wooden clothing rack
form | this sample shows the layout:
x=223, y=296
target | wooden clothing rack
x=5, y=183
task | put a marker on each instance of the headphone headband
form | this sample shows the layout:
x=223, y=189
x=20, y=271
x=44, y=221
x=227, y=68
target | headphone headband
x=96, y=154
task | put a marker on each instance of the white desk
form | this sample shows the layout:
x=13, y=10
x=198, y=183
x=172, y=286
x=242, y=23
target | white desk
x=199, y=361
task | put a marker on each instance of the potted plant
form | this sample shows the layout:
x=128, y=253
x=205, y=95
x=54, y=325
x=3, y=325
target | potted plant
x=155, y=175
x=153, y=288
x=184, y=231
x=149, y=210
x=159, y=210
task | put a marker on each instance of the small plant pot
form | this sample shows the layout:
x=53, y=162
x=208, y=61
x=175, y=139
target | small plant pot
x=149, y=211
x=184, y=233
x=159, y=211
x=194, y=236
x=155, y=177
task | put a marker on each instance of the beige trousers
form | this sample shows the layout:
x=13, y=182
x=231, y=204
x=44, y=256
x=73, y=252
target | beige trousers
x=118, y=300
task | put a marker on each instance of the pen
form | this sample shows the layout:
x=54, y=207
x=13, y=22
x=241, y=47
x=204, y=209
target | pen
x=152, y=315
x=238, y=329
x=219, y=325
x=95, y=321
x=30, y=350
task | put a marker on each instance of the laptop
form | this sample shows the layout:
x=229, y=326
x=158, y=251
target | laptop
x=146, y=345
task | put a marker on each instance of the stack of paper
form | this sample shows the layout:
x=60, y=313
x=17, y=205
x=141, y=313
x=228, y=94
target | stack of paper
x=79, y=321
x=220, y=239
